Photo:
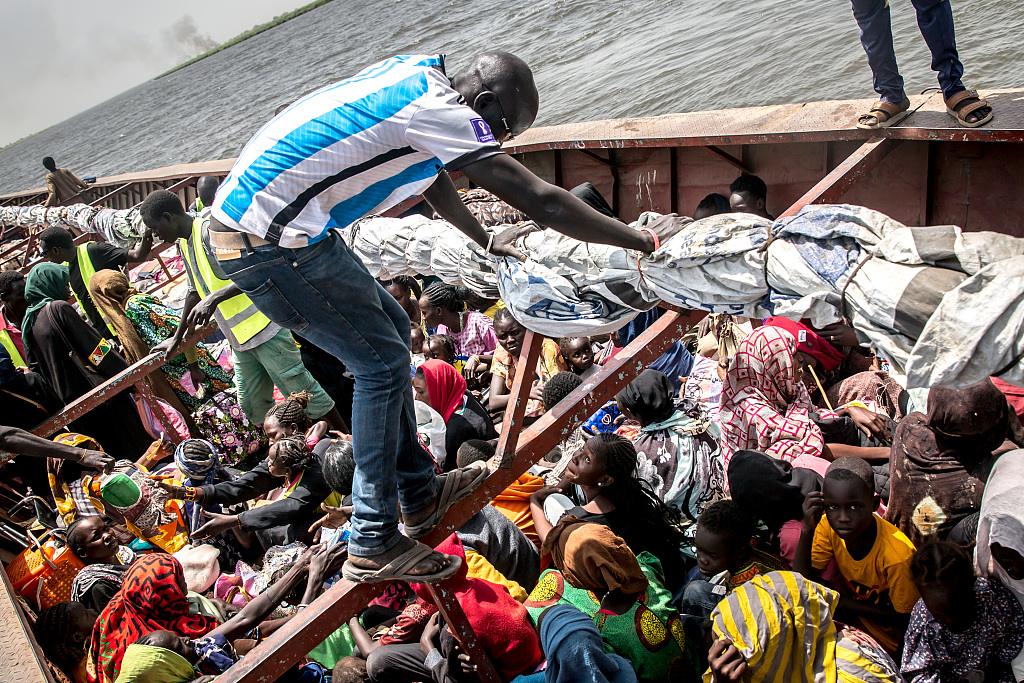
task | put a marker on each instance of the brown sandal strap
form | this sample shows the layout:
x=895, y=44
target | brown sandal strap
x=964, y=112
x=889, y=108
x=959, y=97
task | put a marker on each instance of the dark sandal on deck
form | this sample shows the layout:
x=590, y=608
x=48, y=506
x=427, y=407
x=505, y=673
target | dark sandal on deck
x=966, y=110
x=450, y=494
x=884, y=114
x=396, y=569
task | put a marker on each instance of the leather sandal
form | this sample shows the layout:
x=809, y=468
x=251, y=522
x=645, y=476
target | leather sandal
x=966, y=110
x=884, y=114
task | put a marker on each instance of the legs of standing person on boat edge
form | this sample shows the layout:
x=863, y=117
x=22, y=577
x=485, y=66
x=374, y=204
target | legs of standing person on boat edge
x=876, y=37
x=324, y=292
x=935, y=19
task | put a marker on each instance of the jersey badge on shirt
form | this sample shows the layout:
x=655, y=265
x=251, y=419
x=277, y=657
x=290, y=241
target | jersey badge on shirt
x=99, y=353
x=482, y=130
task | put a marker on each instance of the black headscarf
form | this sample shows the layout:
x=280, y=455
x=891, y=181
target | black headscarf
x=649, y=397
x=771, y=490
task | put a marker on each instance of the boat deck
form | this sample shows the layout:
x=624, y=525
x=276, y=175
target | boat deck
x=809, y=122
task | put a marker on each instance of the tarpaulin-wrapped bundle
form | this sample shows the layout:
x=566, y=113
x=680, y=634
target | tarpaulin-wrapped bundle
x=122, y=227
x=945, y=307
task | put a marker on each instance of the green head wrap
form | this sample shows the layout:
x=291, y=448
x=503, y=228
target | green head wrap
x=46, y=282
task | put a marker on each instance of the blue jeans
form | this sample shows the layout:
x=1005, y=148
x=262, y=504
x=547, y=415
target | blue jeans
x=935, y=19
x=324, y=292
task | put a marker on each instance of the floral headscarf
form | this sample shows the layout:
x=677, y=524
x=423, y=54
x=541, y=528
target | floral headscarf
x=764, y=406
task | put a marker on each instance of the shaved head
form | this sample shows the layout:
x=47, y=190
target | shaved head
x=206, y=188
x=499, y=85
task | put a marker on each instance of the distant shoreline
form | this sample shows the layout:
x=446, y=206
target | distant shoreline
x=255, y=30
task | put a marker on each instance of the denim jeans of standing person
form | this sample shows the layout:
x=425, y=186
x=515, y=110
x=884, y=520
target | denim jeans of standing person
x=325, y=293
x=935, y=19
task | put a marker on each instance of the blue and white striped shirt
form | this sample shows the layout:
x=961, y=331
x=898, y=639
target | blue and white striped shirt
x=352, y=148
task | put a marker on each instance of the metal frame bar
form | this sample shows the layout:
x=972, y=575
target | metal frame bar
x=727, y=158
x=459, y=625
x=844, y=176
x=113, y=386
x=344, y=599
x=512, y=423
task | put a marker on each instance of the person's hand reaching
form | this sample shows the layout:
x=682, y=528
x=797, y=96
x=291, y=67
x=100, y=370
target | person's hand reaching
x=666, y=227
x=726, y=663
x=96, y=460
x=335, y=517
x=504, y=242
x=839, y=335
x=869, y=422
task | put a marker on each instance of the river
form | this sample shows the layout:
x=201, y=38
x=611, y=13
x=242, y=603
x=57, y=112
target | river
x=592, y=60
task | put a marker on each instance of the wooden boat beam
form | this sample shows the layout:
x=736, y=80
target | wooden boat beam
x=829, y=189
x=344, y=599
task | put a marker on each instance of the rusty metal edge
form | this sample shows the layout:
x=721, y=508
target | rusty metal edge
x=460, y=627
x=19, y=638
x=310, y=626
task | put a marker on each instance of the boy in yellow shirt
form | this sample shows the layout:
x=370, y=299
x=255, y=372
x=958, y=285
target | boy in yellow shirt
x=873, y=556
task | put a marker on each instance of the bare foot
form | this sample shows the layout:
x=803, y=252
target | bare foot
x=466, y=475
x=432, y=564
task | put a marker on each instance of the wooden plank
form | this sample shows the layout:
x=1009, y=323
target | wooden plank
x=829, y=189
x=344, y=599
x=512, y=423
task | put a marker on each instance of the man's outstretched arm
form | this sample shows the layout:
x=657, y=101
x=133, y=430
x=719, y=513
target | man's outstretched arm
x=555, y=208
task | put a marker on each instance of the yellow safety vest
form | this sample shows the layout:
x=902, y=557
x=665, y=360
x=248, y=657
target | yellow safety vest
x=239, y=312
x=87, y=270
x=8, y=343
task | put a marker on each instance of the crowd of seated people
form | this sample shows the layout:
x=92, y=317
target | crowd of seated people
x=764, y=501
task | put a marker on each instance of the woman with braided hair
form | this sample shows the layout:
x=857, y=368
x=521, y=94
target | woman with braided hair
x=292, y=481
x=63, y=632
x=606, y=471
x=444, y=310
x=289, y=418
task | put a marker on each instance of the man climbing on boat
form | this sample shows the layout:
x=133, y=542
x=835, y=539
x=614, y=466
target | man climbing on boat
x=357, y=147
x=935, y=18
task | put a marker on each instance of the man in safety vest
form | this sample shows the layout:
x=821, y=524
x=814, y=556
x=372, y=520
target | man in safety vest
x=57, y=245
x=206, y=190
x=12, y=297
x=264, y=354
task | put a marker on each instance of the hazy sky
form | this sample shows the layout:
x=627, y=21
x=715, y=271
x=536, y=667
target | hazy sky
x=61, y=57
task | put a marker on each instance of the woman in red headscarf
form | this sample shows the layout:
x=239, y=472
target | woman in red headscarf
x=443, y=388
x=152, y=598
x=501, y=625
